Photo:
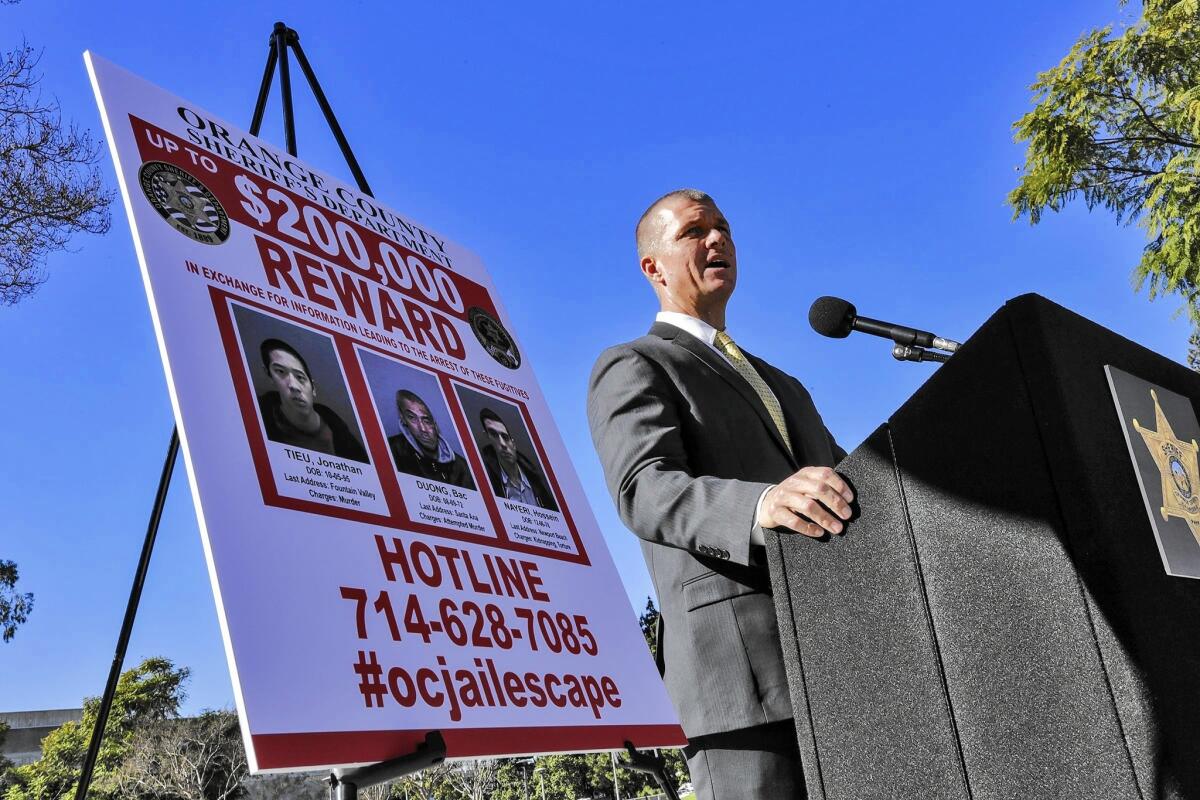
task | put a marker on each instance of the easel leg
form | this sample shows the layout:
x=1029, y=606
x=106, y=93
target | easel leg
x=135, y=596
x=653, y=765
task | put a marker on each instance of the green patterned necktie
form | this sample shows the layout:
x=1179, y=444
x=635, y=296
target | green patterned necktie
x=739, y=361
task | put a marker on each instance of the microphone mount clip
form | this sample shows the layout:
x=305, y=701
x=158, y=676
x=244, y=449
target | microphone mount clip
x=904, y=352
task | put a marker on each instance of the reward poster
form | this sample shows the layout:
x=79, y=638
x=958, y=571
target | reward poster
x=396, y=538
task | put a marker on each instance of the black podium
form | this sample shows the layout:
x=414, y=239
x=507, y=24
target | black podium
x=997, y=622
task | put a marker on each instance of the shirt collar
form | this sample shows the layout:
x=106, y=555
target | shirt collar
x=696, y=327
x=520, y=484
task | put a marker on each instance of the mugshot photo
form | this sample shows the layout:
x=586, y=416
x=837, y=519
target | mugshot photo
x=506, y=449
x=299, y=386
x=416, y=421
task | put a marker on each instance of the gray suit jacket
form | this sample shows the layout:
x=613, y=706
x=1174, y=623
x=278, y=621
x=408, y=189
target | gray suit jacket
x=687, y=449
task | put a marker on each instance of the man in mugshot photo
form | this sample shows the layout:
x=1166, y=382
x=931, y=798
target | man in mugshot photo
x=420, y=449
x=290, y=412
x=513, y=475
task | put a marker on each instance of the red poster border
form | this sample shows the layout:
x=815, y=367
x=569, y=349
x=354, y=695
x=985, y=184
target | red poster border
x=299, y=750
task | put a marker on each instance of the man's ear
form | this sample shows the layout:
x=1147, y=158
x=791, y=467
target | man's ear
x=650, y=269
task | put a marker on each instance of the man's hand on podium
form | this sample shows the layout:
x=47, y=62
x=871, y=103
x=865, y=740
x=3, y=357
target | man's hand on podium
x=813, y=501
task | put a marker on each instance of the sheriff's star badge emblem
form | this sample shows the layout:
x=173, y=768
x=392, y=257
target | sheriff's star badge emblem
x=1177, y=463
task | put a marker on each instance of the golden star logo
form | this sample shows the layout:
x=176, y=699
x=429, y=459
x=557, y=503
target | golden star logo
x=1177, y=464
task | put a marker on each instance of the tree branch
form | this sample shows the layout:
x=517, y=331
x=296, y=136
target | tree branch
x=1149, y=120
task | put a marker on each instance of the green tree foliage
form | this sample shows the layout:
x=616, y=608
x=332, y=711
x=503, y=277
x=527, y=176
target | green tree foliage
x=5, y=765
x=568, y=776
x=1117, y=123
x=1193, y=355
x=649, y=622
x=151, y=691
x=428, y=784
x=14, y=606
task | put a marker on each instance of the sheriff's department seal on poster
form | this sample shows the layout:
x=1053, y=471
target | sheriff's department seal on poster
x=494, y=338
x=184, y=202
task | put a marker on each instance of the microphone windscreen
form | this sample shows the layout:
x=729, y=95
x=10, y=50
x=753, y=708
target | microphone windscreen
x=832, y=316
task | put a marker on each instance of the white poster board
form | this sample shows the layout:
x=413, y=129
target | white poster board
x=396, y=538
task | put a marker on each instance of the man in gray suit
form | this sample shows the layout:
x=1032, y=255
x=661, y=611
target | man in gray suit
x=703, y=446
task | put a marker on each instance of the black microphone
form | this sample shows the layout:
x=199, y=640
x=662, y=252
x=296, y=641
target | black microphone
x=835, y=317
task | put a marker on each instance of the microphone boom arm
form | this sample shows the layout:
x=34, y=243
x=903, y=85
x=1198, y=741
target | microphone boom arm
x=902, y=335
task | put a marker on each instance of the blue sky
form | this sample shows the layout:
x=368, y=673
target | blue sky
x=862, y=150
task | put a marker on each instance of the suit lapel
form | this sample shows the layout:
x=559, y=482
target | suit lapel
x=711, y=359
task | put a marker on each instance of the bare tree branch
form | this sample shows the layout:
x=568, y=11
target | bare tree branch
x=50, y=184
x=197, y=758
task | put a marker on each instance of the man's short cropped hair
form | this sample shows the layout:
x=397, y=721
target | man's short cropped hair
x=404, y=394
x=487, y=414
x=648, y=234
x=271, y=345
